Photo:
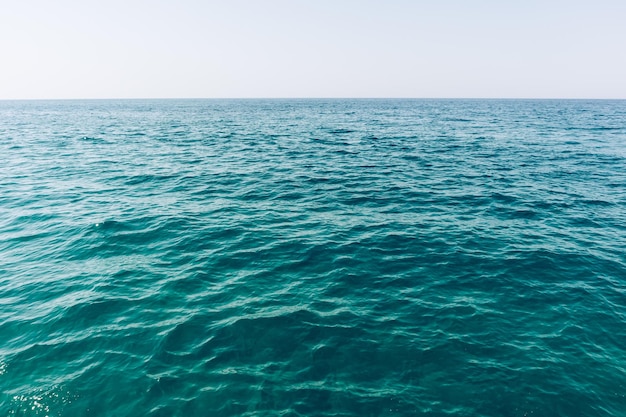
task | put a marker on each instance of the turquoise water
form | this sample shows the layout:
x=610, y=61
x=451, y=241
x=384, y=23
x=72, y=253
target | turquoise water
x=313, y=258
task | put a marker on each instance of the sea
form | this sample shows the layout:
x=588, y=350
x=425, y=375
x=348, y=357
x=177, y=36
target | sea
x=314, y=257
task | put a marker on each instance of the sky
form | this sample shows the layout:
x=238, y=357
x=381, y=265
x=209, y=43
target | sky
x=312, y=48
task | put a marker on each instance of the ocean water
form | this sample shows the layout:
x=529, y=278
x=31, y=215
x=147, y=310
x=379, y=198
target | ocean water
x=313, y=258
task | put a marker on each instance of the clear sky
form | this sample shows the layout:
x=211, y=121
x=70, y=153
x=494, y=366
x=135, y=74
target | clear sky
x=312, y=48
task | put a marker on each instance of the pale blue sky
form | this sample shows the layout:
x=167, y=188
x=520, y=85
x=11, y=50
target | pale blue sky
x=315, y=48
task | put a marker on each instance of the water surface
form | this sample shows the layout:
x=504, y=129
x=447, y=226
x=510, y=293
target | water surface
x=313, y=258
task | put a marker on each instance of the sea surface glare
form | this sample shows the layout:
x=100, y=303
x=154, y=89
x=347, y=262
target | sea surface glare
x=327, y=258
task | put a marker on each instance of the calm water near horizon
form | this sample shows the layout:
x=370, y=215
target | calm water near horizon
x=313, y=258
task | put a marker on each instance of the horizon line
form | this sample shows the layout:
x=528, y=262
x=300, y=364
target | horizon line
x=307, y=98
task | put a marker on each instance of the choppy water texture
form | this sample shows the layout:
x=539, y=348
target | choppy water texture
x=313, y=258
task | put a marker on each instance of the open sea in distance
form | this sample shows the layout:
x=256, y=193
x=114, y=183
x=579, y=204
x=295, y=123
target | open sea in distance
x=324, y=258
